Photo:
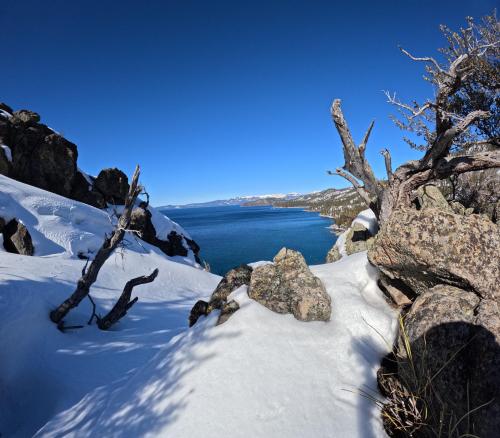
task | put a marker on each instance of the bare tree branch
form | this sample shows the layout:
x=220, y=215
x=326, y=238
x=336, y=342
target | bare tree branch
x=359, y=188
x=110, y=243
x=353, y=156
x=124, y=303
x=424, y=59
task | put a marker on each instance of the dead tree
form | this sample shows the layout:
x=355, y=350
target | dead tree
x=124, y=303
x=438, y=120
x=110, y=243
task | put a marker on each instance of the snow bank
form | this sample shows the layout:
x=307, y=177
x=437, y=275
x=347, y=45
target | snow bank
x=59, y=225
x=260, y=374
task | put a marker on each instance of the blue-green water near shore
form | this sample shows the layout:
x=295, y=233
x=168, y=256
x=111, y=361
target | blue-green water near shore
x=229, y=236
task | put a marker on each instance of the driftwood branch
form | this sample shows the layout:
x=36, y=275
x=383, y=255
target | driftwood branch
x=124, y=303
x=110, y=243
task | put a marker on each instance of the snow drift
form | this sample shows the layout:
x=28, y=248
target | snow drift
x=258, y=374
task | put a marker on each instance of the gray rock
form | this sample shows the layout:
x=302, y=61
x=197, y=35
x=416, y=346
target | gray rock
x=358, y=239
x=113, y=185
x=427, y=247
x=25, y=116
x=333, y=255
x=453, y=336
x=288, y=286
x=233, y=279
x=460, y=209
x=228, y=309
x=17, y=239
x=430, y=196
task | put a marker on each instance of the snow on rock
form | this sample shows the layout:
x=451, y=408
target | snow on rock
x=8, y=152
x=259, y=374
x=367, y=219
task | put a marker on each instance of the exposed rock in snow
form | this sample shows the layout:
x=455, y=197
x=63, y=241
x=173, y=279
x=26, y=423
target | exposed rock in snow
x=288, y=286
x=233, y=279
x=16, y=237
x=358, y=237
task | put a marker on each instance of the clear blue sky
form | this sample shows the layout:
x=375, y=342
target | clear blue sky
x=216, y=99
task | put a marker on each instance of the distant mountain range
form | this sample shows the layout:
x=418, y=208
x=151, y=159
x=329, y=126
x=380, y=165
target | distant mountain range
x=240, y=200
x=340, y=204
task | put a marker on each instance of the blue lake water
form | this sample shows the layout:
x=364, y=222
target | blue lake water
x=229, y=236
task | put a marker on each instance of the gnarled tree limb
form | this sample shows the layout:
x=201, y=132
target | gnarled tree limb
x=124, y=303
x=110, y=243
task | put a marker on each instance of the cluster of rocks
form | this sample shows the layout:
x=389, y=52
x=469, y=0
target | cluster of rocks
x=16, y=238
x=284, y=286
x=33, y=153
x=441, y=263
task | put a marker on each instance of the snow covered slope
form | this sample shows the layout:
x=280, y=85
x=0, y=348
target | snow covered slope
x=260, y=374
x=59, y=225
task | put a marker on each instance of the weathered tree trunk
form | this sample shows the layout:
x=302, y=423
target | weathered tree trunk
x=110, y=243
x=124, y=303
x=383, y=197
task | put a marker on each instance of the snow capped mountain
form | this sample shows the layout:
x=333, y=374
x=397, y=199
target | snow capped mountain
x=239, y=200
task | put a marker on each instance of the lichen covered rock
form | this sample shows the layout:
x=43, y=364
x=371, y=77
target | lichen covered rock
x=288, y=286
x=427, y=247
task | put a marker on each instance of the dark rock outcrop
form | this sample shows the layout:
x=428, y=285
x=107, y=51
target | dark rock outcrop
x=427, y=247
x=42, y=158
x=84, y=192
x=113, y=185
x=288, y=286
x=16, y=238
x=233, y=279
x=455, y=358
x=45, y=159
x=174, y=245
x=199, y=309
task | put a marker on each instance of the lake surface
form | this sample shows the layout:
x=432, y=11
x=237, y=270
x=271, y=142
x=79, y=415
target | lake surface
x=229, y=236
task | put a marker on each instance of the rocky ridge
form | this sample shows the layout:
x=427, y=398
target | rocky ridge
x=35, y=154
